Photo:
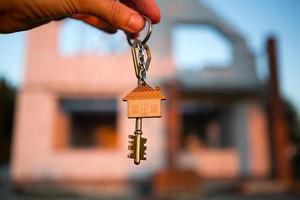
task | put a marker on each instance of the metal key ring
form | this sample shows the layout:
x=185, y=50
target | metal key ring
x=144, y=41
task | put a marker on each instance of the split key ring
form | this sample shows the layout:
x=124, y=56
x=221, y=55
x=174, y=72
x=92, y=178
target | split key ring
x=149, y=31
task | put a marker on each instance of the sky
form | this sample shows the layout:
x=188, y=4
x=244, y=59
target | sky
x=12, y=56
x=255, y=20
x=204, y=47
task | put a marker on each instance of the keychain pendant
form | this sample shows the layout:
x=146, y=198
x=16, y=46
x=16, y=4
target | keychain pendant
x=143, y=101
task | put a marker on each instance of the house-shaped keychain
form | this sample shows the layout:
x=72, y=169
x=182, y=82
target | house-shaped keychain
x=144, y=102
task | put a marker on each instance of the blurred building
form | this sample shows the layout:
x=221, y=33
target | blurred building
x=72, y=127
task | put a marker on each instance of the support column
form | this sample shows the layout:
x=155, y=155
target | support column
x=173, y=125
x=278, y=125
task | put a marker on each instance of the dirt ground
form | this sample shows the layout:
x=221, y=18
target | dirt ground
x=8, y=193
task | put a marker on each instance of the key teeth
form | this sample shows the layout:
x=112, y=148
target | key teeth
x=143, y=153
x=131, y=148
x=143, y=148
x=130, y=155
x=143, y=157
x=131, y=137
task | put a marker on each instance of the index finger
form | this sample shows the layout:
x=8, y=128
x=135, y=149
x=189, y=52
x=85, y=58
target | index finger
x=146, y=7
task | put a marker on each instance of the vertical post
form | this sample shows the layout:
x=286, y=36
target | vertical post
x=173, y=124
x=278, y=124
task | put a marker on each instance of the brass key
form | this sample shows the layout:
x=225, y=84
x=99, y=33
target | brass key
x=137, y=144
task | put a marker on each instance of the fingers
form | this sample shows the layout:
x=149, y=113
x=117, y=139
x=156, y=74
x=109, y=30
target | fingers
x=33, y=24
x=149, y=8
x=95, y=22
x=146, y=7
x=114, y=13
x=104, y=14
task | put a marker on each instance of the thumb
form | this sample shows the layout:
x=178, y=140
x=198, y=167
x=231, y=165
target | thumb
x=113, y=12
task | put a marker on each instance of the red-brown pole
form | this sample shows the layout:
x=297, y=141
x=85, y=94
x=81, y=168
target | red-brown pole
x=173, y=124
x=278, y=124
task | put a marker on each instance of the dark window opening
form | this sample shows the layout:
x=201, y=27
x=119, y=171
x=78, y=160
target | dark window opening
x=205, y=125
x=92, y=123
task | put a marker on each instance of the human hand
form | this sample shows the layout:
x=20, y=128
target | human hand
x=107, y=15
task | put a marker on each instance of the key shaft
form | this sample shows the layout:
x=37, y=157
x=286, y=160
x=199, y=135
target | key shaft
x=138, y=132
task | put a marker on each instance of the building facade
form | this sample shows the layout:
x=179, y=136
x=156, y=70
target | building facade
x=71, y=124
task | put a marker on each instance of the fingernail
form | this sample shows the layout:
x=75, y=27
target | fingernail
x=135, y=22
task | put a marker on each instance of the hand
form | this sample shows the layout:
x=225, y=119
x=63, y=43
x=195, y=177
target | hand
x=107, y=15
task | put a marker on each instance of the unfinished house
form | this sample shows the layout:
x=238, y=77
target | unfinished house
x=72, y=127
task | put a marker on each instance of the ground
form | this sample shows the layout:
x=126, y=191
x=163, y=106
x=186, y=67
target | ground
x=8, y=193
